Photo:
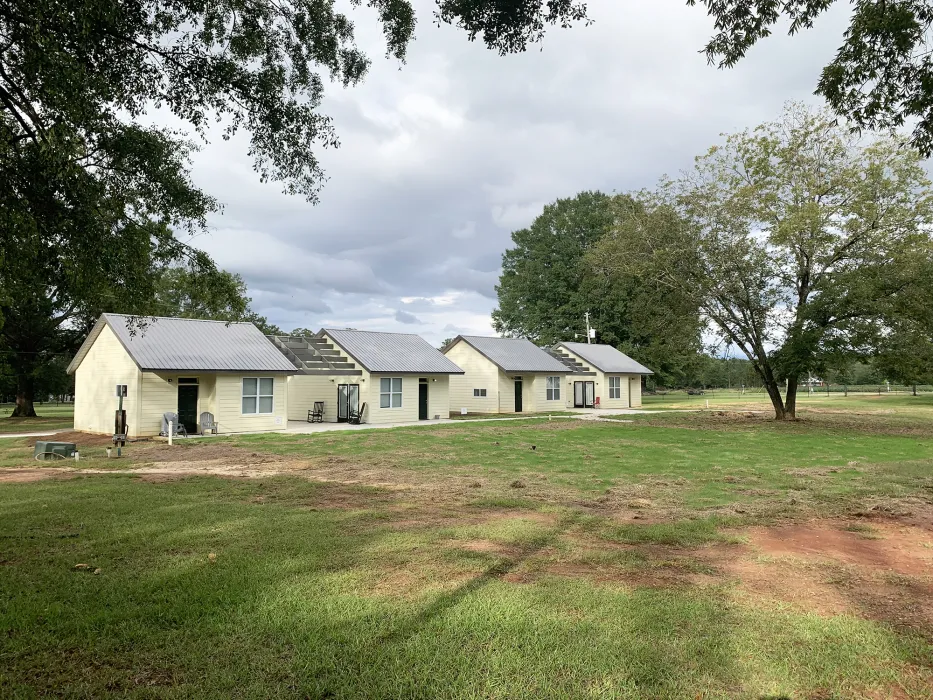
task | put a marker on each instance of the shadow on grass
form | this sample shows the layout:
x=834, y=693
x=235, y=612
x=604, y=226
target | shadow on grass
x=285, y=609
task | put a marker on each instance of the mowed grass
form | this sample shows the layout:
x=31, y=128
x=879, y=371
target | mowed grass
x=50, y=417
x=690, y=464
x=462, y=564
x=816, y=401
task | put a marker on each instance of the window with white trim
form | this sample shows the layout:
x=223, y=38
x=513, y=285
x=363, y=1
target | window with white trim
x=258, y=396
x=615, y=387
x=390, y=392
x=553, y=389
x=478, y=393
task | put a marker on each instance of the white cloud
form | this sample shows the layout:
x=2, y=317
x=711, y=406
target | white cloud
x=442, y=159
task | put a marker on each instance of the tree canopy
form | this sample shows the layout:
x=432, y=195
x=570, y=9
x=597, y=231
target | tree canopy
x=547, y=286
x=799, y=243
x=94, y=203
x=184, y=291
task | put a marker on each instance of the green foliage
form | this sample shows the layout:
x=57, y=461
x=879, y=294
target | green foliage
x=547, y=285
x=84, y=66
x=797, y=242
x=189, y=292
x=92, y=202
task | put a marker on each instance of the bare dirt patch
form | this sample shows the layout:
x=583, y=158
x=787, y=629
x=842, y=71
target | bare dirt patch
x=488, y=547
x=24, y=476
x=883, y=573
x=902, y=549
x=82, y=440
x=200, y=451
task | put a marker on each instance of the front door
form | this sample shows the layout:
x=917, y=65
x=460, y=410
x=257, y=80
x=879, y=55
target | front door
x=423, y=399
x=348, y=401
x=584, y=394
x=589, y=394
x=188, y=406
x=518, y=395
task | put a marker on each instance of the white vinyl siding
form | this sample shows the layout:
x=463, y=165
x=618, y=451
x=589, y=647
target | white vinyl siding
x=106, y=364
x=553, y=389
x=479, y=372
x=615, y=387
x=258, y=396
x=390, y=392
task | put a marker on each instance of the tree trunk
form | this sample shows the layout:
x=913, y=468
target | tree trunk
x=25, y=394
x=790, y=403
x=774, y=393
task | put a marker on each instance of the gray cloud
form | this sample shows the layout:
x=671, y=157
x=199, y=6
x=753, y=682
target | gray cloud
x=441, y=160
x=405, y=317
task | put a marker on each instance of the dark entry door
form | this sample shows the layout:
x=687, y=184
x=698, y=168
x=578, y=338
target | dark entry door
x=518, y=395
x=188, y=406
x=584, y=394
x=348, y=401
x=423, y=400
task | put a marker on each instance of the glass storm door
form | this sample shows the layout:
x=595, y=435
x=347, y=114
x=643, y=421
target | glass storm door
x=348, y=401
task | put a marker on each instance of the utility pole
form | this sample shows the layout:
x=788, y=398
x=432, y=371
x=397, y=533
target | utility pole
x=589, y=332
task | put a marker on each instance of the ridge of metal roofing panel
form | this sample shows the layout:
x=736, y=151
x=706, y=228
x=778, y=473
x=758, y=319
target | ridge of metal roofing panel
x=516, y=354
x=606, y=358
x=381, y=352
x=185, y=344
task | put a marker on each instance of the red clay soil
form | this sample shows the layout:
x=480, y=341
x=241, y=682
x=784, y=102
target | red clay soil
x=885, y=547
x=884, y=574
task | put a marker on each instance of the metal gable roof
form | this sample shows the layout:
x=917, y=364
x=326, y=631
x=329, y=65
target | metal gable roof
x=606, y=358
x=516, y=354
x=381, y=353
x=189, y=345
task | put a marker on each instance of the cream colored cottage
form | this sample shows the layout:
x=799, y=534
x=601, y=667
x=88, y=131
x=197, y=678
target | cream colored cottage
x=509, y=375
x=380, y=377
x=182, y=366
x=617, y=377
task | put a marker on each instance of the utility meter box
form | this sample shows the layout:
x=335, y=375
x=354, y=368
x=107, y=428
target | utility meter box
x=48, y=449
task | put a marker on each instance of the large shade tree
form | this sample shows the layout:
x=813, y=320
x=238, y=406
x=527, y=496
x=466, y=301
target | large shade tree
x=94, y=203
x=184, y=291
x=799, y=242
x=547, y=287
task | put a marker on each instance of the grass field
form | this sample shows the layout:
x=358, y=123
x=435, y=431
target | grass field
x=673, y=555
x=725, y=399
x=50, y=417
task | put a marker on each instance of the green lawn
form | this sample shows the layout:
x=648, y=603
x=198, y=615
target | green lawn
x=818, y=400
x=50, y=417
x=456, y=562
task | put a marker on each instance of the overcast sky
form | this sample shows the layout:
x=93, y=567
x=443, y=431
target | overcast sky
x=443, y=157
